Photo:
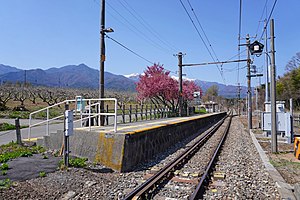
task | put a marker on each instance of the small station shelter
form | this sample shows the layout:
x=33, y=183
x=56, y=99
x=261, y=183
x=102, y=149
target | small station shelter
x=211, y=106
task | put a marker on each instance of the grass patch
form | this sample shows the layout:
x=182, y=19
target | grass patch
x=6, y=126
x=13, y=150
x=19, y=114
x=285, y=163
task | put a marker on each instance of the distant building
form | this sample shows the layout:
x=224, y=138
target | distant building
x=211, y=106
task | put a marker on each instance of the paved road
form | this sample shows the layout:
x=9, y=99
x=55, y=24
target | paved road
x=39, y=131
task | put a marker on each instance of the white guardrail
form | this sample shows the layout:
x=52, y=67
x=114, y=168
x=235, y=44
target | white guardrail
x=85, y=112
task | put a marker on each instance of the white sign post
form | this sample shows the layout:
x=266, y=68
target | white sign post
x=69, y=123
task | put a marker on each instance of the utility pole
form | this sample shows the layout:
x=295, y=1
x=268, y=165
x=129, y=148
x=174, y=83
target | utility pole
x=180, y=82
x=249, y=84
x=273, y=91
x=102, y=59
x=267, y=64
x=239, y=99
x=25, y=78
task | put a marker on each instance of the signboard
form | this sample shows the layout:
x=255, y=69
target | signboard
x=79, y=103
x=196, y=94
x=69, y=123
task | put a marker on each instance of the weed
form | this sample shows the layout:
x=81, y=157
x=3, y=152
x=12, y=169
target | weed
x=6, y=183
x=4, y=172
x=45, y=157
x=78, y=162
x=73, y=162
x=4, y=166
x=42, y=174
x=13, y=150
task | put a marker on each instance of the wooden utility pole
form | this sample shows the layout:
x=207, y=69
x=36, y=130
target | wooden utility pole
x=249, y=84
x=102, y=59
x=180, y=82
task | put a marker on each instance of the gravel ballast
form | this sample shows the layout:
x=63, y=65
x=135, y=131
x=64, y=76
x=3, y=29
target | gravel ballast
x=245, y=176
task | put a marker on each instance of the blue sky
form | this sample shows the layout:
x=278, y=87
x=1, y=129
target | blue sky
x=44, y=34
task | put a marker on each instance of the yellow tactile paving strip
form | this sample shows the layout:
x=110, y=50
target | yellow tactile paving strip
x=144, y=125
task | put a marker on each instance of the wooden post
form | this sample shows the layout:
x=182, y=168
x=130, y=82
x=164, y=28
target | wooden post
x=150, y=111
x=136, y=113
x=18, y=131
x=123, y=113
x=146, y=111
x=130, y=112
x=142, y=111
x=107, y=115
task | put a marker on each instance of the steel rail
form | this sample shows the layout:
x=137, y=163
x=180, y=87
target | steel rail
x=200, y=189
x=156, y=179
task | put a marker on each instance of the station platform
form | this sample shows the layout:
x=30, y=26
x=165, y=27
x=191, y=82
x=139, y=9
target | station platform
x=140, y=126
x=133, y=143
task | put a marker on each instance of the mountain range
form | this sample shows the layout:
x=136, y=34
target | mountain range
x=82, y=76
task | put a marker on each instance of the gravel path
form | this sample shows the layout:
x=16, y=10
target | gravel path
x=245, y=175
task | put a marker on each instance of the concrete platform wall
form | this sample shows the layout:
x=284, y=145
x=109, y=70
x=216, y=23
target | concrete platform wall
x=123, y=151
x=145, y=144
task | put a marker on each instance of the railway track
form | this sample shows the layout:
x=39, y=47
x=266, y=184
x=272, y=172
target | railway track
x=203, y=153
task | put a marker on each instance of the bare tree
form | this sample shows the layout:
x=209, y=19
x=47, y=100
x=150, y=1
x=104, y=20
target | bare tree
x=294, y=63
x=20, y=94
x=6, y=93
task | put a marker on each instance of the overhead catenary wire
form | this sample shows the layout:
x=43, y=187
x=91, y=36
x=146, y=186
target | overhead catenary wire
x=239, y=42
x=147, y=26
x=133, y=28
x=261, y=17
x=205, y=35
x=128, y=49
x=268, y=19
x=198, y=32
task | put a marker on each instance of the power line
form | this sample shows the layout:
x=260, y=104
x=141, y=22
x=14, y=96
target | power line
x=146, y=25
x=197, y=30
x=209, y=43
x=134, y=29
x=129, y=49
x=262, y=14
x=270, y=15
x=239, y=41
